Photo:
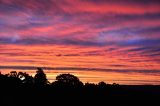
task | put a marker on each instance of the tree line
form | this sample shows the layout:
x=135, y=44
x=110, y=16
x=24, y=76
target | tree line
x=18, y=88
x=40, y=79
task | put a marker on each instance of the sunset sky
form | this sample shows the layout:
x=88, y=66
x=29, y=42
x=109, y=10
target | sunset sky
x=97, y=40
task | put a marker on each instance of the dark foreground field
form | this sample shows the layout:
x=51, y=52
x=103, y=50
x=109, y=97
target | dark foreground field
x=19, y=89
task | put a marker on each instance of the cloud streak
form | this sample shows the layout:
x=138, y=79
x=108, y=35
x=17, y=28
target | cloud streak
x=108, y=34
x=156, y=72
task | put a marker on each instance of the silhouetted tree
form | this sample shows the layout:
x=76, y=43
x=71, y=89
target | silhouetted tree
x=3, y=79
x=115, y=84
x=12, y=79
x=90, y=85
x=90, y=88
x=13, y=74
x=68, y=79
x=23, y=76
x=26, y=78
x=102, y=84
x=40, y=77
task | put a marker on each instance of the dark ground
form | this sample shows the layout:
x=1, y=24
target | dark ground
x=68, y=90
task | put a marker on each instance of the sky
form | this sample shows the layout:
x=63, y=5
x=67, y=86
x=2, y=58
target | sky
x=97, y=40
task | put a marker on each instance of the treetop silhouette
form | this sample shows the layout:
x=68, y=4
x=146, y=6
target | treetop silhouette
x=40, y=77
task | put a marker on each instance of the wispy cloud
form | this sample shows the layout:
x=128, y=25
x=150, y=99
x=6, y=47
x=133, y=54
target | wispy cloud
x=113, y=34
x=34, y=22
